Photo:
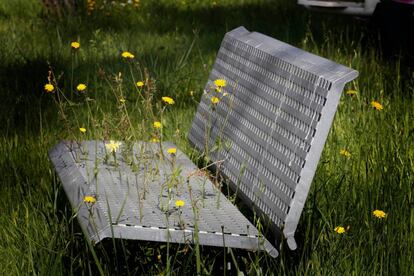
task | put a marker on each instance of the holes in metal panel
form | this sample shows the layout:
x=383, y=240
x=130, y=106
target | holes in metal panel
x=260, y=117
x=233, y=60
x=290, y=101
x=243, y=52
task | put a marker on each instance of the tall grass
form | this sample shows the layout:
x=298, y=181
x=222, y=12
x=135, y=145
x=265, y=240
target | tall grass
x=176, y=42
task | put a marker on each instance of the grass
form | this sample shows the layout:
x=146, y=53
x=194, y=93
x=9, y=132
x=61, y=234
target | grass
x=176, y=43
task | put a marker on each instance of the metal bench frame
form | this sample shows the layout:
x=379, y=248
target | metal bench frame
x=276, y=94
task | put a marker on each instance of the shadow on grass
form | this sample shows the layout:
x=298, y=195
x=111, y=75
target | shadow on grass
x=22, y=81
x=21, y=92
x=134, y=257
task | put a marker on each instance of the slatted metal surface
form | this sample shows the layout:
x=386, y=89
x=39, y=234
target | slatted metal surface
x=271, y=123
x=136, y=194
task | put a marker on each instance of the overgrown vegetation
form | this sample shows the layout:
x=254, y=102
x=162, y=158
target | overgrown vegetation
x=174, y=44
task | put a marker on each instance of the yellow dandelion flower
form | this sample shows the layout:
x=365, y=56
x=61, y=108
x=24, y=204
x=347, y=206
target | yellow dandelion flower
x=90, y=6
x=81, y=87
x=122, y=100
x=220, y=83
x=127, y=55
x=352, y=92
x=89, y=199
x=155, y=140
x=179, y=203
x=140, y=84
x=75, y=45
x=345, y=153
x=376, y=105
x=168, y=100
x=172, y=150
x=49, y=88
x=215, y=100
x=82, y=129
x=113, y=146
x=339, y=230
x=379, y=214
x=157, y=124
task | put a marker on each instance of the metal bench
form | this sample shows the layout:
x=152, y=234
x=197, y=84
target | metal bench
x=265, y=134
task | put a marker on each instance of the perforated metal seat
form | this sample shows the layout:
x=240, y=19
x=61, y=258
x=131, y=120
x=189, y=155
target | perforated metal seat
x=267, y=131
x=272, y=121
x=136, y=195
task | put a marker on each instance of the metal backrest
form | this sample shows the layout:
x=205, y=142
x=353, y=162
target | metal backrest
x=268, y=129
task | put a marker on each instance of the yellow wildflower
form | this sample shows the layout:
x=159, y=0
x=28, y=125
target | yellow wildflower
x=127, y=55
x=218, y=89
x=81, y=87
x=352, y=92
x=345, y=153
x=89, y=199
x=339, y=230
x=179, y=203
x=215, y=100
x=122, y=100
x=82, y=129
x=140, y=84
x=376, y=105
x=90, y=6
x=49, y=88
x=168, y=100
x=75, y=45
x=157, y=124
x=172, y=150
x=112, y=146
x=379, y=214
x=220, y=83
x=155, y=140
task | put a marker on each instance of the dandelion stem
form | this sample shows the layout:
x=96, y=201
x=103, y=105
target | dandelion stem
x=71, y=76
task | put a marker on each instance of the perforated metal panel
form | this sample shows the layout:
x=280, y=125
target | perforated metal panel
x=271, y=123
x=136, y=192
